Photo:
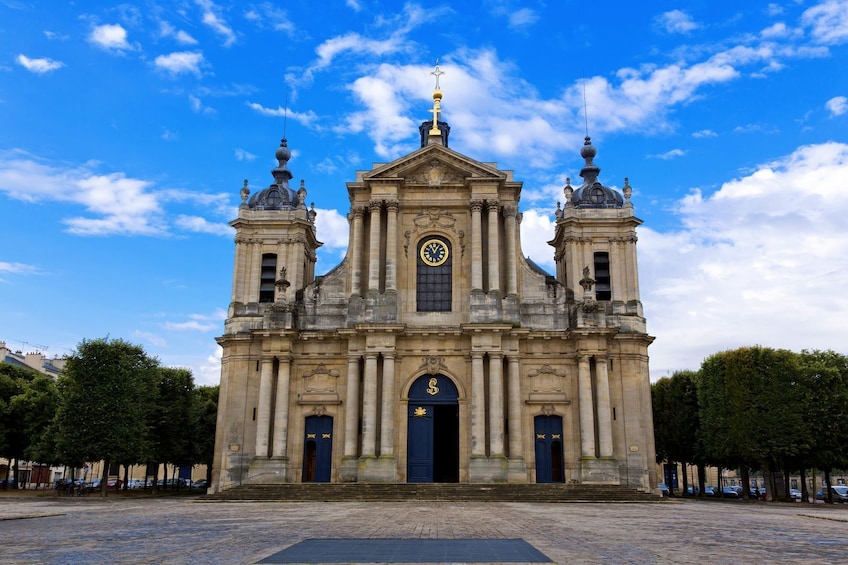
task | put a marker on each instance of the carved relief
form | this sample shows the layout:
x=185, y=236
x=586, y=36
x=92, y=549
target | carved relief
x=435, y=173
x=433, y=364
x=546, y=379
x=433, y=218
x=320, y=380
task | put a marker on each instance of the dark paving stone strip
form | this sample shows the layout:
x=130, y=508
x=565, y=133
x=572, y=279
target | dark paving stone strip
x=409, y=551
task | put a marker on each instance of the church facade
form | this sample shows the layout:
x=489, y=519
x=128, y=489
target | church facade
x=435, y=352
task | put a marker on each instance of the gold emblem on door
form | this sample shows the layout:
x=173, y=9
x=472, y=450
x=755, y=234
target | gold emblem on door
x=420, y=412
x=433, y=390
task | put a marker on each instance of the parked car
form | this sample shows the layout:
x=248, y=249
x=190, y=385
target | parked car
x=839, y=492
x=795, y=494
x=729, y=492
x=663, y=489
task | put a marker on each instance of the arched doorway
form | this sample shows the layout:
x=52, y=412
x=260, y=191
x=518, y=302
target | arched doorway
x=318, y=449
x=433, y=431
x=549, y=457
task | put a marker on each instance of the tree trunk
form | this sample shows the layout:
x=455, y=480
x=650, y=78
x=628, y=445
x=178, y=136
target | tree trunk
x=768, y=479
x=828, y=496
x=685, y=489
x=746, y=482
x=786, y=479
x=702, y=479
x=804, y=491
x=104, y=479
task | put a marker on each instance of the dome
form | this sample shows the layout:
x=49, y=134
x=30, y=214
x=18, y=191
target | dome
x=278, y=196
x=593, y=194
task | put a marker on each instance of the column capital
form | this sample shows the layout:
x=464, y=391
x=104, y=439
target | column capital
x=392, y=205
x=493, y=205
x=496, y=355
x=476, y=205
x=375, y=205
x=358, y=211
x=371, y=354
x=509, y=211
x=477, y=354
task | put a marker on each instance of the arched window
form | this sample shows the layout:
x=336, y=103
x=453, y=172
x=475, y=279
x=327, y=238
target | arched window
x=434, y=278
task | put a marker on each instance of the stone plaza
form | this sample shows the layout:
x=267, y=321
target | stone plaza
x=117, y=529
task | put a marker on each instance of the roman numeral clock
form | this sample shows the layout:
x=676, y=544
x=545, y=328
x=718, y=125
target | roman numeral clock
x=434, y=252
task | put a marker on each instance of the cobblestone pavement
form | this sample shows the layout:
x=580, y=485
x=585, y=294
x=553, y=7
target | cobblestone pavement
x=51, y=529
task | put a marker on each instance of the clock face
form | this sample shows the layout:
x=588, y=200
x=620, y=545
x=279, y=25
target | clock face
x=434, y=252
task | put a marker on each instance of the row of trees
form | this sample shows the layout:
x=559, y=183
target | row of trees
x=111, y=403
x=756, y=409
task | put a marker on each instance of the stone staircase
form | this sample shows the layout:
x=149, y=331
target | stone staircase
x=452, y=492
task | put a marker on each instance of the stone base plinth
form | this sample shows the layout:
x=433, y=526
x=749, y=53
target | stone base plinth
x=269, y=471
x=381, y=469
x=487, y=469
x=599, y=471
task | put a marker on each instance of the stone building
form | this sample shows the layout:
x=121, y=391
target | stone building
x=435, y=352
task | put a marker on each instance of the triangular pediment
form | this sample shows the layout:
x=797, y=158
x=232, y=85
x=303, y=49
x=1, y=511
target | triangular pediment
x=435, y=165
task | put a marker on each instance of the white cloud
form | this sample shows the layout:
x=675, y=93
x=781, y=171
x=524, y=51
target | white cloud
x=672, y=154
x=305, y=118
x=760, y=261
x=39, y=66
x=112, y=37
x=197, y=224
x=208, y=373
x=198, y=107
x=828, y=22
x=212, y=18
x=523, y=18
x=199, y=322
x=243, y=155
x=180, y=62
x=704, y=133
x=7, y=268
x=181, y=36
x=266, y=14
x=837, y=105
x=757, y=262
x=354, y=5
x=115, y=204
x=676, y=21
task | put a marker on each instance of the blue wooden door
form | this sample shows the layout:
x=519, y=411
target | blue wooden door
x=549, y=453
x=318, y=449
x=432, y=451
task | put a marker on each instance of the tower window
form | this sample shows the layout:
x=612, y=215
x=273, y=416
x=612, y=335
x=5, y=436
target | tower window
x=434, y=278
x=603, y=284
x=267, y=277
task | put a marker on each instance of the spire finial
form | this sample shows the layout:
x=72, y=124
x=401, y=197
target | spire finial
x=437, y=100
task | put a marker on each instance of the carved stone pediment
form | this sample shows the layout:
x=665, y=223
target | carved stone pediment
x=435, y=166
x=546, y=380
x=320, y=380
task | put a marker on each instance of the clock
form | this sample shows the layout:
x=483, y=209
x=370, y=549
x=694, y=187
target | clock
x=434, y=252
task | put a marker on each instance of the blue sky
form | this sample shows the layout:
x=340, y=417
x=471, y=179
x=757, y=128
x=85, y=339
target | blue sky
x=127, y=129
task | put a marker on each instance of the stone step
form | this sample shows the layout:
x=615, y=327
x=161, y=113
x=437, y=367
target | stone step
x=337, y=492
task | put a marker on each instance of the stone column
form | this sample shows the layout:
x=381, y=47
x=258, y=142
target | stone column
x=374, y=249
x=516, y=449
x=281, y=412
x=478, y=406
x=352, y=406
x=369, y=407
x=391, y=244
x=496, y=405
x=255, y=275
x=604, y=412
x=387, y=422
x=356, y=252
x=494, y=249
x=263, y=410
x=509, y=213
x=476, y=245
x=587, y=416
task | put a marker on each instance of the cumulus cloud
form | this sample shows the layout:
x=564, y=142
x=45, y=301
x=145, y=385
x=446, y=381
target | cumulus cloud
x=243, y=155
x=198, y=224
x=305, y=118
x=180, y=62
x=827, y=22
x=40, y=65
x=179, y=35
x=111, y=37
x=837, y=105
x=9, y=268
x=672, y=154
x=198, y=107
x=704, y=133
x=676, y=21
x=115, y=204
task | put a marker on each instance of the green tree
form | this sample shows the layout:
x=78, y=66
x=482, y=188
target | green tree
x=749, y=414
x=37, y=405
x=206, y=410
x=14, y=441
x=825, y=404
x=173, y=418
x=106, y=395
x=676, y=421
